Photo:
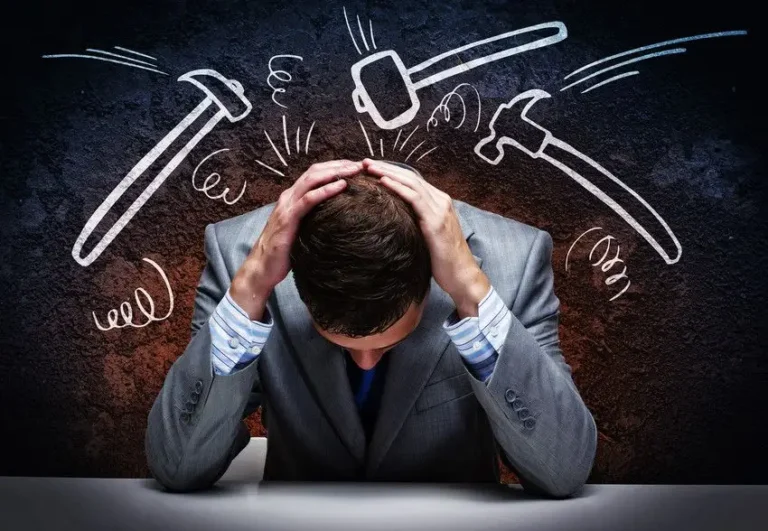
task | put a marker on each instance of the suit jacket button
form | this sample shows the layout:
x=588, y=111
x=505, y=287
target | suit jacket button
x=517, y=405
x=194, y=398
x=522, y=413
x=233, y=342
x=199, y=386
x=510, y=395
x=185, y=418
x=529, y=423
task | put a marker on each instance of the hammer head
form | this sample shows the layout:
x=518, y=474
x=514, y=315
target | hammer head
x=213, y=85
x=402, y=90
x=510, y=125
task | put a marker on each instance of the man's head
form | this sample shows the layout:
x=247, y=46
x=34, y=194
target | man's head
x=362, y=267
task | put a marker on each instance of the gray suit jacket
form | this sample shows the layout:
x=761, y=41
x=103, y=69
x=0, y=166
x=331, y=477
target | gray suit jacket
x=436, y=421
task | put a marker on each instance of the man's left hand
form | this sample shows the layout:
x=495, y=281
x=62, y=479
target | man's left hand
x=453, y=266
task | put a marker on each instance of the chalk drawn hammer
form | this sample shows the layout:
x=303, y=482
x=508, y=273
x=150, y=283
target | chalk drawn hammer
x=365, y=102
x=538, y=143
x=225, y=95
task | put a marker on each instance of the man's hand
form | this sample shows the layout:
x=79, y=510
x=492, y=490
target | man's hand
x=453, y=266
x=268, y=262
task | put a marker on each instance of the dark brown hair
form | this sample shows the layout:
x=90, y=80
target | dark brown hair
x=360, y=260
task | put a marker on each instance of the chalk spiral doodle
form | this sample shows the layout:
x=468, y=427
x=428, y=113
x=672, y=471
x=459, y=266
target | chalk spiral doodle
x=207, y=185
x=605, y=265
x=444, y=107
x=126, y=311
x=280, y=75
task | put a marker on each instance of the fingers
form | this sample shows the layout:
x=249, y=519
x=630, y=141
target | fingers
x=419, y=199
x=402, y=175
x=319, y=174
x=308, y=201
x=378, y=167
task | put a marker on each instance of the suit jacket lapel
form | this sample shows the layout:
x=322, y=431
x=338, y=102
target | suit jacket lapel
x=410, y=366
x=324, y=369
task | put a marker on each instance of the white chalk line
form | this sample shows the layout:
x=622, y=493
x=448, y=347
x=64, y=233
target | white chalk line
x=105, y=59
x=611, y=79
x=127, y=50
x=659, y=45
x=624, y=63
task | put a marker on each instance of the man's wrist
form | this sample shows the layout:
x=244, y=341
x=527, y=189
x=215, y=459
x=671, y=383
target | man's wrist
x=472, y=292
x=249, y=291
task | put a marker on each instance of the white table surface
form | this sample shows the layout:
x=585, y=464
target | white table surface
x=239, y=501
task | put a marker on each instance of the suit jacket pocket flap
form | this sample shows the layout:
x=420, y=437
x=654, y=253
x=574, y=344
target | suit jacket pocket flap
x=444, y=391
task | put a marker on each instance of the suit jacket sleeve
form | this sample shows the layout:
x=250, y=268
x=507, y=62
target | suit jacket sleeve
x=195, y=426
x=544, y=429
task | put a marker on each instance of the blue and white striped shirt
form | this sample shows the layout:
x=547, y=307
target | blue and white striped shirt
x=237, y=340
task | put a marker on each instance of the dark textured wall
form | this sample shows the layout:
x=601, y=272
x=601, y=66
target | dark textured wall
x=673, y=369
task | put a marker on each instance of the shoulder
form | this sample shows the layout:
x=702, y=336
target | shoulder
x=243, y=225
x=512, y=252
x=487, y=225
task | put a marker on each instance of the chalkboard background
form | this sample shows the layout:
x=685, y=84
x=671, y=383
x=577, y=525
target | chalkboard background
x=673, y=367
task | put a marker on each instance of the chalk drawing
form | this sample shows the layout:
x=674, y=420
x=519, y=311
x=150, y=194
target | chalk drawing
x=364, y=102
x=367, y=140
x=611, y=80
x=394, y=146
x=126, y=311
x=444, y=107
x=134, y=52
x=121, y=59
x=238, y=108
x=607, y=264
x=624, y=63
x=280, y=75
x=556, y=152
x=362, y=33
x=287, y=146
x=643, y=58
x=208, y=184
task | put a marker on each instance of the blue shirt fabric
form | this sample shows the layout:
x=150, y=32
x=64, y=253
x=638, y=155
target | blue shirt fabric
x=367, y=388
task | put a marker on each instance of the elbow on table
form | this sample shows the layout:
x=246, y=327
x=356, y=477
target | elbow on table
x=180, y=479
x=173, y=474
x=574, y=477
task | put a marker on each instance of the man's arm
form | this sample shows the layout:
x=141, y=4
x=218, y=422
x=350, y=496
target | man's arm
x=479, y=338
x=195, y=426
x=540, y=422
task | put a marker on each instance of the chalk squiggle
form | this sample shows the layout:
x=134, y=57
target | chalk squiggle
x=444, y=107
x=127, y=312
x=607, y=265
x=207, y=186
x=280, y=75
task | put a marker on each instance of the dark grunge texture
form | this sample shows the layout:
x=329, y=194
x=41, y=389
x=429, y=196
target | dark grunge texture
x=674, y=369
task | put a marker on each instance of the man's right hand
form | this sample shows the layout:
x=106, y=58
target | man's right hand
x=268, y=263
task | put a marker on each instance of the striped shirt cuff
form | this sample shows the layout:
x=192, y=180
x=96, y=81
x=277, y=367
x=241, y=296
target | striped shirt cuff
x=479, y=339
x=236, y=340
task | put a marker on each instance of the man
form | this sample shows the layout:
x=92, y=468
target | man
x=390, y=334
